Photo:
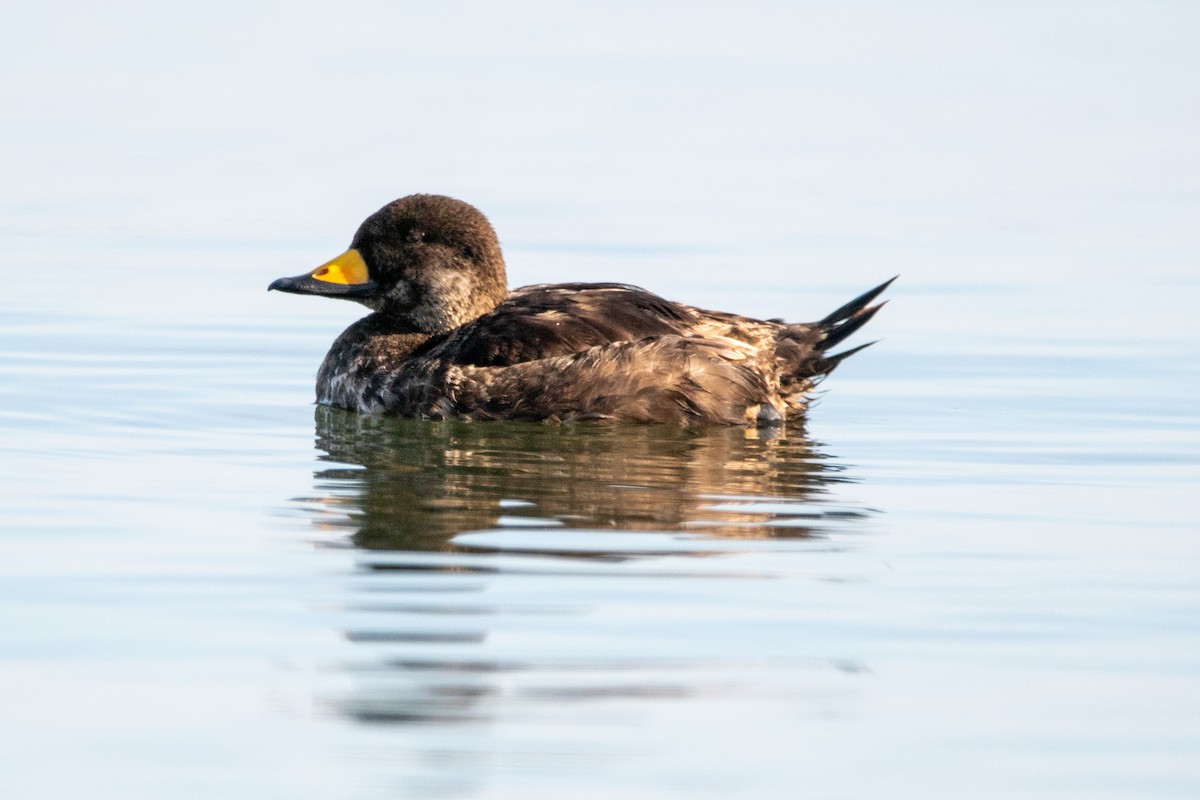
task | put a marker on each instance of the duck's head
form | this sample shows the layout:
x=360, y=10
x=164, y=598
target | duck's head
x=431, y=262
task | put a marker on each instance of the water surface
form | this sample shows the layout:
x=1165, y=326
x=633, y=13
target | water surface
x=972, y=573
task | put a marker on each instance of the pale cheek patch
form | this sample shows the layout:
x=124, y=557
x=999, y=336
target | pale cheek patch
x=450, y=289
x=447, y=302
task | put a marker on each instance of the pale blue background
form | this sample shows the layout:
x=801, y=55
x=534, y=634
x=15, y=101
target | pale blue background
x=1026, y=604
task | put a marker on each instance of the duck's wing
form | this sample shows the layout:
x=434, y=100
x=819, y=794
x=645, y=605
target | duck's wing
x=550, y=320
x=679, y=380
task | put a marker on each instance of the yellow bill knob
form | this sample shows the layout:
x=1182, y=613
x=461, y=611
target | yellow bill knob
x=348, y=268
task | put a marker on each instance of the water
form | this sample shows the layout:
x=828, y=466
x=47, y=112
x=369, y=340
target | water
x=974, y=571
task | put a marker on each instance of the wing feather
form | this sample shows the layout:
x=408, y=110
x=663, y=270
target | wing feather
x=538, y=322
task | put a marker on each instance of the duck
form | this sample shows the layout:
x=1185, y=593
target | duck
x=447, y=339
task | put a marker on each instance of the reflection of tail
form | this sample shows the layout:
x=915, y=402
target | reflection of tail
x=839, y=325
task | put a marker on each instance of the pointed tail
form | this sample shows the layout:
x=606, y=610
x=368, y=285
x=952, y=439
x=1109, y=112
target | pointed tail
x=839, y=325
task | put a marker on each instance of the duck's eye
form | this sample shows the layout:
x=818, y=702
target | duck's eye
x=414, y=236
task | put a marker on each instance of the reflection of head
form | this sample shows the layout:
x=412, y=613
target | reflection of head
x=412, y=484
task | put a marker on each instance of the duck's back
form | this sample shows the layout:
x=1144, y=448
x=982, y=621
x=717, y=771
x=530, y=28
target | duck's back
x=548, y=320
x=600, y=352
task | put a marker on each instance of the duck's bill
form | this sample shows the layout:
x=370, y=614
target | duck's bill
x=344, y=276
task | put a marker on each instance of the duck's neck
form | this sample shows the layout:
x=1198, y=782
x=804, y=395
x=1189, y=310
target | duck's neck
x=375, y=345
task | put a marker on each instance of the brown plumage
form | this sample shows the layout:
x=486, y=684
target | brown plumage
x=448, y=340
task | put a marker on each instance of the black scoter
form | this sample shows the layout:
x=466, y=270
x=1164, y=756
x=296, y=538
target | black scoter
x=447, y=338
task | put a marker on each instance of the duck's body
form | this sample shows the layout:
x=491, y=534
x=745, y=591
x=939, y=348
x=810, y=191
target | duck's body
x=448, y=341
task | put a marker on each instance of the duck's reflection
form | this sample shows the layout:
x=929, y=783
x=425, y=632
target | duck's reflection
x=409, y=485
x=505, y=569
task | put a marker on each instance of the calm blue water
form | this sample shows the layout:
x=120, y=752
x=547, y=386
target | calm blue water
x=975, y=572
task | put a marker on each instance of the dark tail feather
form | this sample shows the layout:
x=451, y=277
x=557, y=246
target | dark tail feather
x=841, y=331
x=829, y=362
x=841, y=324
x=854, y=306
